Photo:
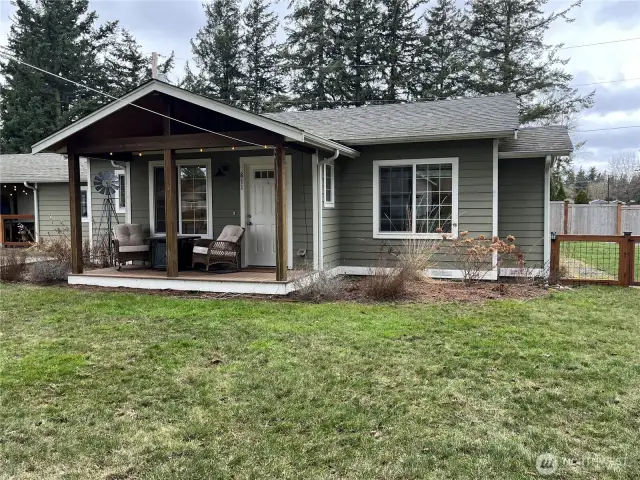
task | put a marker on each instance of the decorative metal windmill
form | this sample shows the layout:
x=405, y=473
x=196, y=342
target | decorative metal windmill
x=106, y=183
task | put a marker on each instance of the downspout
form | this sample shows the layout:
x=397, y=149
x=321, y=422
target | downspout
x=548, y=164
x=335, y=155
x=36, y=210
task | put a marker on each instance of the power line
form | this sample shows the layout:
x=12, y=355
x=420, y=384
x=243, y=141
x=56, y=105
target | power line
x=382, y=64
x=600, y=43
x=606, y=81
x=608, y=128
x=60, y=77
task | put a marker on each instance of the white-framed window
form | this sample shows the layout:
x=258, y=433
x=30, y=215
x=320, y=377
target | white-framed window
x=84, y=203
x=121, y=196
x=415, y=198
x=329, y=184
x=194, y=198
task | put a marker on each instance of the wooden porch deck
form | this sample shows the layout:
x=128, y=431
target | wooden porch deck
x=248, y=280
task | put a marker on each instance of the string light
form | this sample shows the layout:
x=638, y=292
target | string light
x=201, y=150
x=110, y=154
x=139, y=154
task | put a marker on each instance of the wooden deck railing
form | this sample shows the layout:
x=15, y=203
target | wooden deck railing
x=8, y=229
x=595, y=259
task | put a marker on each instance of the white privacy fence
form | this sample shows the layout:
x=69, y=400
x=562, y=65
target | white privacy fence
x=594, y=219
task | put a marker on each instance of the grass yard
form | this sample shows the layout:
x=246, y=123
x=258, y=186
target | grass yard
x=122, y=386
x=597, y=256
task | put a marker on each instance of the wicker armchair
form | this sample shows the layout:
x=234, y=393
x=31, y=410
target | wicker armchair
x=224, y=250
x=129, y=244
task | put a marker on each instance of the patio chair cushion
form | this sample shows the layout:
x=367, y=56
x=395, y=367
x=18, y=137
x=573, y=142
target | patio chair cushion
x=201, y=250
x=231, y=233
x=133, y=248
x=129, y=234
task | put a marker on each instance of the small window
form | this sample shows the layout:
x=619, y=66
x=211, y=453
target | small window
x=84, y=204
x=122, y=191
x=329, y=185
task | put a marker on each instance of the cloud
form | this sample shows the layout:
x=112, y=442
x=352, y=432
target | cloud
x=621, y=98
x=623, y=14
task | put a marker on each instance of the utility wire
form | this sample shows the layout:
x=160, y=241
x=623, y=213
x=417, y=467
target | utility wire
x=60, y=77
x=608, y=128
x=382, y=64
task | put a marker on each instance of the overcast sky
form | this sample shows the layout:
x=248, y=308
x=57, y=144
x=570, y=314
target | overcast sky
x=166, y=25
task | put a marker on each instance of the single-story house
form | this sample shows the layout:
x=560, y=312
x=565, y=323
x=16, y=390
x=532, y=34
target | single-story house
x=331, y=189
x=35, y=192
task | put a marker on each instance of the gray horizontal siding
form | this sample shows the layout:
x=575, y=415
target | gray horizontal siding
x=53, y=206
x=332, y=221
x=355, y=190
x=521, y=205
x=226, y=193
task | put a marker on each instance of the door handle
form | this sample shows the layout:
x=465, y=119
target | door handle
x=249, y=224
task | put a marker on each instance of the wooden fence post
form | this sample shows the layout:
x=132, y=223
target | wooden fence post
x=565, y=219
x=626, y=260
x=554, y=261
x=619, y=220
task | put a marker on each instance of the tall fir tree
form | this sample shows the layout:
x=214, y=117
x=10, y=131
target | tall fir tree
x=510, y=56
x=263, y=74
x=444, y=53
x=399, y=42
x=217, y=51
x=61, y=37
x=125, y=64
x=356, y=30
x=310, y=49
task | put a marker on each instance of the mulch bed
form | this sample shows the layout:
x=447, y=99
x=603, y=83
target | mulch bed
x=426, y=291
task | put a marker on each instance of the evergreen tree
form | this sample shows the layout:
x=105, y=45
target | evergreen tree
x=398, y=49
x=261, y=58
x=125, y=64
x=559, y=194
x=510, y=56
x=582, y=198
x=444, y=56
x=193, y=82
x=59, y=36
x=217, y=51
x=164, y=67
x=355, y=31
x=310, y=47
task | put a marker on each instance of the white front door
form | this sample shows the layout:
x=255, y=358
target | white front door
x=261, y=216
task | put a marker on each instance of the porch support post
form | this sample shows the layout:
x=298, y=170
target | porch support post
x=75, y=215
x=170, y=211
x=281, y=214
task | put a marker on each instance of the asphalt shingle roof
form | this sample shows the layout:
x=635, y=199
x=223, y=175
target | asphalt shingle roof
x=553, y=138
x=41, y=167
x=464, y=116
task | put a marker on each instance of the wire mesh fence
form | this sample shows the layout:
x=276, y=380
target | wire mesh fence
x=584, y=259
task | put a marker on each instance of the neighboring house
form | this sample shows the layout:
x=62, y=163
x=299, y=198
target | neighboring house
x=35, y=192
x=353, y=181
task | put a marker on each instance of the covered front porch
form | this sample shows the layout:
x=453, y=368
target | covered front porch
x=190, y=166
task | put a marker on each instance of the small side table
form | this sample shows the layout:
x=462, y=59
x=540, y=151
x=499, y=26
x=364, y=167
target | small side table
x=158, y=248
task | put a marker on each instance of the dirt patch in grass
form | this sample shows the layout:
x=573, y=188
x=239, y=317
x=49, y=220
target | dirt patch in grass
x=425, y=291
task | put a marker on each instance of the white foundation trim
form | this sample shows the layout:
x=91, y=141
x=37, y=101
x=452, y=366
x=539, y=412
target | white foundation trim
x=518, y=272
x=262, y=288
x=433, y=272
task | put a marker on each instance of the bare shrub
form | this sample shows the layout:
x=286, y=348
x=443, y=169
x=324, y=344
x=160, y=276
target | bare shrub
x=387, y=283
x=320, y=286
x=49, y=271
x=474, y=256
x=13, y=265
x=415, y=256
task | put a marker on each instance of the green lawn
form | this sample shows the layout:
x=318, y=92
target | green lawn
x=124, y=386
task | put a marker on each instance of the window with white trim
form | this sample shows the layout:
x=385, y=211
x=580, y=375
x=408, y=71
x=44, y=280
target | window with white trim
x=415, y=198
x=329, y=185
x=84, y=203
x=194, y=198
x=121, y=203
